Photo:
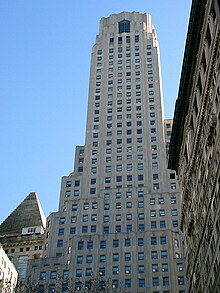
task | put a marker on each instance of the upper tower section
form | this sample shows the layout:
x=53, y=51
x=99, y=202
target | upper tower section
x=126, y=22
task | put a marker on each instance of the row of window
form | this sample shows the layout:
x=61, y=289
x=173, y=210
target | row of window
x=118, y=195
x=111, y=50
x=128, y=116
x=155, y=186
x=118, y=205
x=118, y=228
x=22, y=249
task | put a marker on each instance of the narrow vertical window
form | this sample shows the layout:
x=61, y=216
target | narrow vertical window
x=124, y=26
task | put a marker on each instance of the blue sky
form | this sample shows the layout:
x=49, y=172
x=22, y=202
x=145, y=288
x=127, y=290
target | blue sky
x=44, y=72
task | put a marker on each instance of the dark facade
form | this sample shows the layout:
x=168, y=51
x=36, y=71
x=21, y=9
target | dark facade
x=195, y=144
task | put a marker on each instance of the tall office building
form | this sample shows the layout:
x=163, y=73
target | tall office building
x=118, y=210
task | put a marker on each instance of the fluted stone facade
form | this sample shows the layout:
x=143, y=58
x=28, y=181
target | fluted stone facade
x=195, y=147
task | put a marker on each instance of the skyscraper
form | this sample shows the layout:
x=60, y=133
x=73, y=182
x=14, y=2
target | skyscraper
x=118, y=210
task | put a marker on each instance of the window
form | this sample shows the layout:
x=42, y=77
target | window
x=128, y=228
x=102, y=258
x=106, y=218
x=155, y=176
x=173, y=185
x=92, y=190
x=173, y=200
x=141, y=283
x=140, y=177
x=115, y=243
x=102, y=271
x=161, y=200
x=174, y=212
x=153, y=224
x=89, y=259
x=141, y=216
x=42, y=276
x=180, y=267
x=76, y=193
x=59, y=243
x=154, y=165
x=175, y=224
x=65, y=274
x=53, y=275
x=140, y=242
x=154, y=255
x=141, y=269
x=90, y=245
x=140, y=166
x=152, y=201
x=153, y=213
x=61, y=231
x=115, y=270
x=180, y=280
x=162, y=224
x=154, y=268
x=140, y=255
x=163, y=240
x=127, y=269
x=79, y=273
x=74, y=207
x=88, y=272
x=115, y=257
x=163, y=254
x=127, y=283
x=118, y=228
x=127, y=256
x=72, y=230
x=79, y=259
x=164, y=267
x=62, y=221
x=162, y=213
x=141, y=227
x=153, y=240
x=127, y=242
x=106, y=230
x=155, y=281
x=80, y=245
x=165, y=281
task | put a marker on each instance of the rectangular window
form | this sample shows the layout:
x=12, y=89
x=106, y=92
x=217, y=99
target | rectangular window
x=155, y=281
x=140, y=255
x=163, y=240
x=153, y=240
x=154, y=255
x=127, y=242
x=72, y=230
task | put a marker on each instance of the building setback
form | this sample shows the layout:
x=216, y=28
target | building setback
x=118, y=220
x=195, y=144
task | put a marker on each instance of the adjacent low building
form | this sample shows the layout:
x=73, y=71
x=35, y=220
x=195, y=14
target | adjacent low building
x=22, y=234
x=8, y=273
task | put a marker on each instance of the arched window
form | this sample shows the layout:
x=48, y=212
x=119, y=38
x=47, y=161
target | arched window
x=124, y=26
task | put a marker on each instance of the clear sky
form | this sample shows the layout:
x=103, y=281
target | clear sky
x=45, y=53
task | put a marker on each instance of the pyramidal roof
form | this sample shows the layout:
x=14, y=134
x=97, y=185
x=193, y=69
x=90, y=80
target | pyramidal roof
x=28, y=214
